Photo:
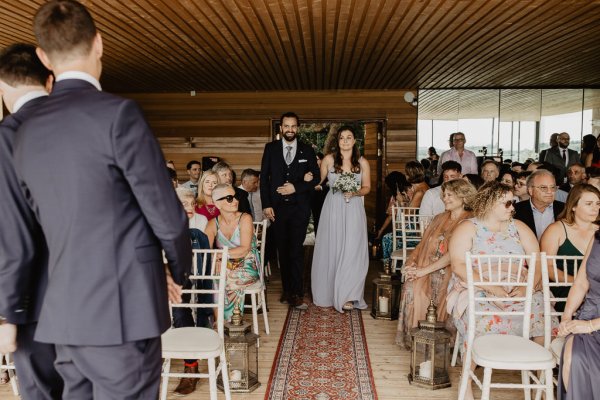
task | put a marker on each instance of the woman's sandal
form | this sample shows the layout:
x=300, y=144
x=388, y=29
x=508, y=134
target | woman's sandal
x=348, y=306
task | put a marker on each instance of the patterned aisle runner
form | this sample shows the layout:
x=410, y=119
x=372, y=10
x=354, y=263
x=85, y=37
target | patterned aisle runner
x=322, y=355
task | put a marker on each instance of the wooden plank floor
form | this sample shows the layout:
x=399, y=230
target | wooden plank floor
x=389, y=362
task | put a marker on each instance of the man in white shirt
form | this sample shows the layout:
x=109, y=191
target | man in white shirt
x=458, y=153
x=432, y=203
x=250, y=182
x=194, y=169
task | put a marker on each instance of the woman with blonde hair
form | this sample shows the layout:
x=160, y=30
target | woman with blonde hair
x=571, y=234
x=206, y=206
x=426, y=271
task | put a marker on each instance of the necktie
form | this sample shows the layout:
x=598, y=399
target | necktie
x=564, y=156
x=288, y=155
x=251, y=205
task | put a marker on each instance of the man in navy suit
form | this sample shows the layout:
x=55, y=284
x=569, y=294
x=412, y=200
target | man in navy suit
x=106, y=304
x=23, y=251
x=285, y=199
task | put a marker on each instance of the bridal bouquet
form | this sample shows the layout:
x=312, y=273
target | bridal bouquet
x=346, y=182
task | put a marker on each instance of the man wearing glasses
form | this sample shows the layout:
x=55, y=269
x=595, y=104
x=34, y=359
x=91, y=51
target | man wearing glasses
x=542, y=208
x=458, y=153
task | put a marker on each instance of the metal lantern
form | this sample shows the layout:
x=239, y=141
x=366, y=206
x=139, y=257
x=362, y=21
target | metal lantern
x=241, y=352
x=430, y=352
x=386, y=295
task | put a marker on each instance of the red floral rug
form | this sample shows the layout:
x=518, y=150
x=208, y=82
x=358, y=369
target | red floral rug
x=322, y=355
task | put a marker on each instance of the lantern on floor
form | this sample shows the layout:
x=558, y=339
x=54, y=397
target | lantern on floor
x=430, y=352
x=386, y=295
x=241, y=352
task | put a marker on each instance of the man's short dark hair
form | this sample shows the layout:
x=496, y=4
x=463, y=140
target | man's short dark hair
x=289, y=114
x=20, y=65
x=451, y=165
x=64, y=27
x=190, y=164
x=249, y=172
x=220, y=166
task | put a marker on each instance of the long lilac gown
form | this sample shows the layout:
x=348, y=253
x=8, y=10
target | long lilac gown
x=341, y=257
x=585, y=359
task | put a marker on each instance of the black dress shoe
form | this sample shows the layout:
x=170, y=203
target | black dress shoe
x=284, y=299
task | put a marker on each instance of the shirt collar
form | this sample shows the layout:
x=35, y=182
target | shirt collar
x=294, y=144
x=34, y=94
x=549, y=207
x=84, y=76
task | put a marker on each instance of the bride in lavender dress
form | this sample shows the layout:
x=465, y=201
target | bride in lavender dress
x=341, y=258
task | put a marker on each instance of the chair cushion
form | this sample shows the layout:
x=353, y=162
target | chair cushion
x=510, y=352
x=556, y=348
x=191, y=342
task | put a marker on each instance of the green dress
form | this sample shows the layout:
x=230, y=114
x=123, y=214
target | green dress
x=566, y=249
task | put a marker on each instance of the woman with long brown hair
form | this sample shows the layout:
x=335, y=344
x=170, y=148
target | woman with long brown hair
x=341, y=259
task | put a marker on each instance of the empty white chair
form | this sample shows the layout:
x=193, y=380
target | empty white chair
x=196, y=343
x=258, y=288
x=505, y=352
x=7, y=365
x=551, y=263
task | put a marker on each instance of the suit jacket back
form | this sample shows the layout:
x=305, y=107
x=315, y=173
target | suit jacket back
x=23, y=250
x=101, y=193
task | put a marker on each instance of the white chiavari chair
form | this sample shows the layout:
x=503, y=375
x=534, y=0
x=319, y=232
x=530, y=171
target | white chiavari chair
x=397, y=217
x=259, y=288
x=198, y=343
x=504, y=352
x=7, y=365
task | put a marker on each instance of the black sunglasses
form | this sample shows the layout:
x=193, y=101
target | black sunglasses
x=229, y=198
x=508, y=203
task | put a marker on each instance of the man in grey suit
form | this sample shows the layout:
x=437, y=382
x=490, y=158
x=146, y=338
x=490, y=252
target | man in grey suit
x=106, y=304
x=561, y=156
x=23, y=251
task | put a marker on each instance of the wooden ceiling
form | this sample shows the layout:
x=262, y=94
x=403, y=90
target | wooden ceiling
x=264, y=45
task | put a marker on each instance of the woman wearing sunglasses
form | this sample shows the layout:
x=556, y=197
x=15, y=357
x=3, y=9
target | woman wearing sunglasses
x=234, y=229
x=493, y=231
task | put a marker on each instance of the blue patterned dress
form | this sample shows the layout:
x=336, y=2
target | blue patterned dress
x=242, y=272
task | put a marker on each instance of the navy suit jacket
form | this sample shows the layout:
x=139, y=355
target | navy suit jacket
x=524, y=213
x=23, y=250
x=101, y=192
x=274, y=172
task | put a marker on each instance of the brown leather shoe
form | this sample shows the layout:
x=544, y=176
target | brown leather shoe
x=187, y=385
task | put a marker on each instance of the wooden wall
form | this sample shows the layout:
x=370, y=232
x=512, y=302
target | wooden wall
x=236, y=125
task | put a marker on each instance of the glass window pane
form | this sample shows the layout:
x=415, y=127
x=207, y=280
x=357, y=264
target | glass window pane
x=561, y=112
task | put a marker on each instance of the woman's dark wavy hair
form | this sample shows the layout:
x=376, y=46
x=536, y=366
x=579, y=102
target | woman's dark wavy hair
x=337, y=157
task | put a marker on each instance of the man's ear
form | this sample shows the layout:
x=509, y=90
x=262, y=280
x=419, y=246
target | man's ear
x=97, y=46
x=44, y=58
x=49, y=83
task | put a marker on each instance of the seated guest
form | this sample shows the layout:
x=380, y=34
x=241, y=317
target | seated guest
x=182, y=317
x=205, y=205
x=580, y=361
x=432, y=203
x=575, y=176
x=593, y=176
x=399, y=187
x=415, y=175
x=534, y=165
x=226, y=175
x=194, y=168
x=474, y=180
x=541, y=210
x=426, y=269
x=234, y=229
x=493, y=231
x=489, y=171
x=572, y=233
x=249, y=183
x=516, y=166
x=521, y=192
x=509, y=178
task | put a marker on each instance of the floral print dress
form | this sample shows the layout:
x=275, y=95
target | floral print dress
x=242, y=272
x=489, y=242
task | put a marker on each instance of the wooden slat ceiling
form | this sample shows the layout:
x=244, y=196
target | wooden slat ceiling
x=249, y=45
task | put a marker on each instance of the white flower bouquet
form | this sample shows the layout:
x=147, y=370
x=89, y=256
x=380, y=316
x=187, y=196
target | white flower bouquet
x=346, y=182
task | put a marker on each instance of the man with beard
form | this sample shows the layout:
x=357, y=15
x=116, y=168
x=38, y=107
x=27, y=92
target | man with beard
x=562, y=157
x=286, y=202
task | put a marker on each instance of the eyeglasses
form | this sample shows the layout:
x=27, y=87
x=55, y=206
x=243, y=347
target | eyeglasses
x=547, y=189
x=229, y=198
x=458, y=140
x=508, y=204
